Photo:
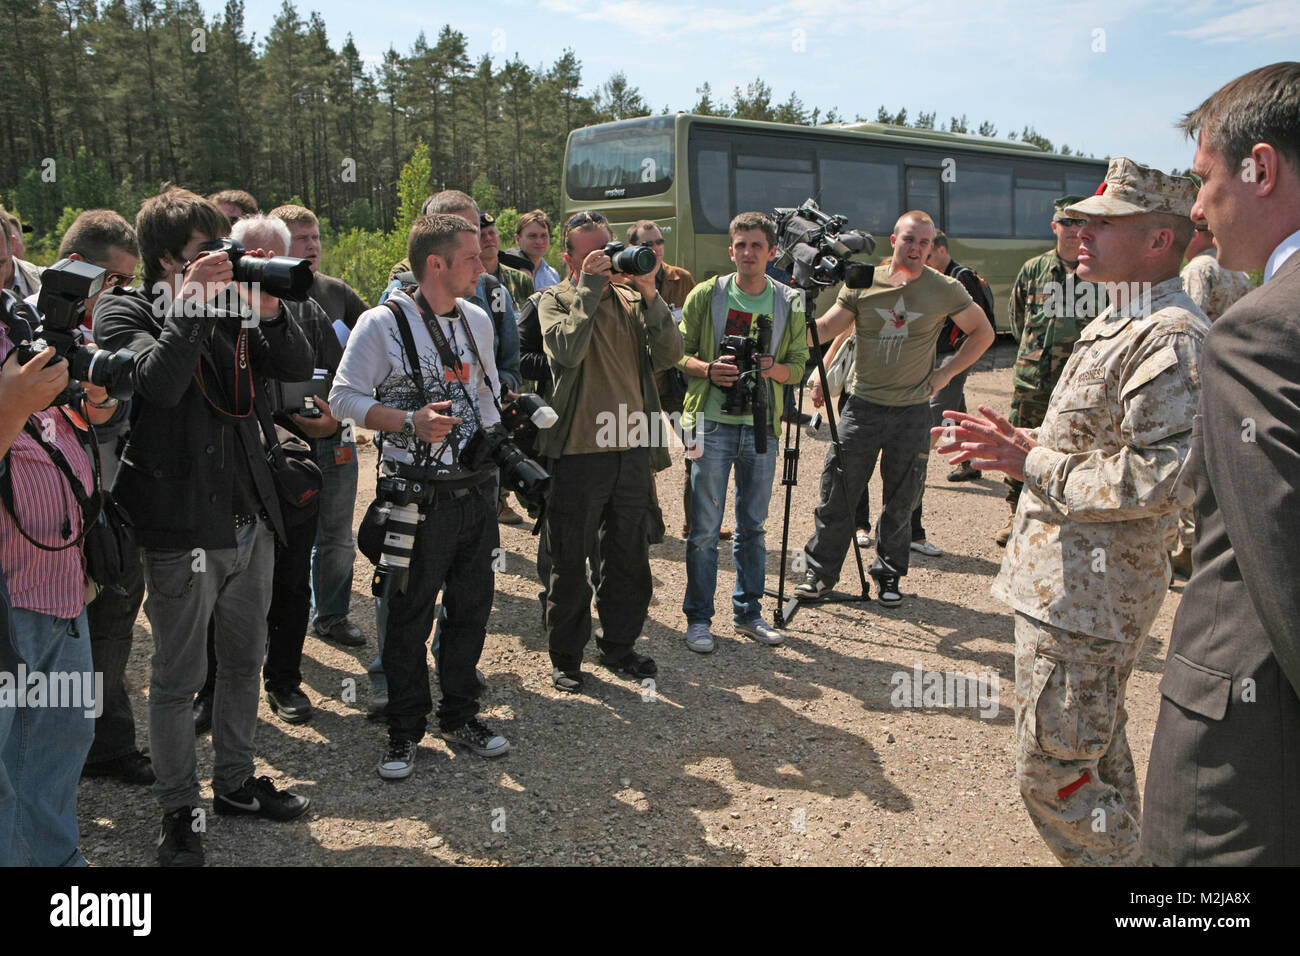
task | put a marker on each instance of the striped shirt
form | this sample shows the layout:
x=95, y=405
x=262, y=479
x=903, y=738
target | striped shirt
x=47, y=582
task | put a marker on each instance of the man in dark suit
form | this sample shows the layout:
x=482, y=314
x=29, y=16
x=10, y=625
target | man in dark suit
x=1223, y=785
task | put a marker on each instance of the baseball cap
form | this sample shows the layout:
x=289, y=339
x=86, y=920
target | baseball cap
x=1131, y=189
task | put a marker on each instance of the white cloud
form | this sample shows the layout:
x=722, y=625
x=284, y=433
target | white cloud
x=1269, y=20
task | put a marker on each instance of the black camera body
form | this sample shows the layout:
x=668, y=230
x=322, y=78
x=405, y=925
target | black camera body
x=281, y=276
x=631, y=260
x=749, y=393
x=496, y=445
x=60, y=305
x=816, y=249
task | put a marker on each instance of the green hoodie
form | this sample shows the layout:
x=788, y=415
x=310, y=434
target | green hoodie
x=700, y=341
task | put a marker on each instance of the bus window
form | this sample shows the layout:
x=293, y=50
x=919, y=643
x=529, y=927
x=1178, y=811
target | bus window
x=711, y=190
x=924, y=192
x=620, y=160
x=764, y=181
x=866, y=193
x=979, y=200
x=1034, y=198
x=1076, y=185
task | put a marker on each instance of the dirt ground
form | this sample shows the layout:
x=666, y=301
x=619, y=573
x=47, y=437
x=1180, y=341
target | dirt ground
x=750, y=755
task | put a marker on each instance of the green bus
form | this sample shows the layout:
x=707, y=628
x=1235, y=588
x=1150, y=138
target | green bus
x=691, y=174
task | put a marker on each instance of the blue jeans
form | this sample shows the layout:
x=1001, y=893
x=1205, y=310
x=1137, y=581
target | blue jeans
x=723, y=445
x=335, y=551
x=44, y=747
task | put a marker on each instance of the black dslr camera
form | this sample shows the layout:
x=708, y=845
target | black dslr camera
x=815, y=248
x=65, y=287
x=281, y=276
x=631, y=260
x=749, y=393
x=493, y=445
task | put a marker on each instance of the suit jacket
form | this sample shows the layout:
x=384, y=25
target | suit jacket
x=1223, y=786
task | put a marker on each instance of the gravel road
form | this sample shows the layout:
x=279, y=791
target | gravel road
x=751, y=755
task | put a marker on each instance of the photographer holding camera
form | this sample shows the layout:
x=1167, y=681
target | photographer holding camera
x=604, y=341
x=720, y=319
x=42, y=526
x=197, y=484
x=420, y=371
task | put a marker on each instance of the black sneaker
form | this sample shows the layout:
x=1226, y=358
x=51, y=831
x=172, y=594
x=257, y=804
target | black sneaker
x=259, y=798
x=631, y=664
x=797, y=418
x=290, y=704
x=178, y=843
x=812, y=588
x=476, y=735
x=398, y=761
x=887, y=584
x=134, y=768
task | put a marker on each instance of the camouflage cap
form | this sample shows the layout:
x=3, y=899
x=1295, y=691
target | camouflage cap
x=1130, y=189
x=1060, y=206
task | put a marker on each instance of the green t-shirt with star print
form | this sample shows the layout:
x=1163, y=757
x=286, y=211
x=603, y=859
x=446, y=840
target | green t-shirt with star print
x=897, y=330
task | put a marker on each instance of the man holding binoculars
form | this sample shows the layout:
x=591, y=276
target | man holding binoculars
x=733, y=314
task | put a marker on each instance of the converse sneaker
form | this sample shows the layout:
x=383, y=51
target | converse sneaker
x=475, y=735
x=698, y=637
x=759, y=630
x=259, y=798
x=399, y=759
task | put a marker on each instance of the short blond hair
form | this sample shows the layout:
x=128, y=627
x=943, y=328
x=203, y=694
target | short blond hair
x=292, y=215
x=918, y=216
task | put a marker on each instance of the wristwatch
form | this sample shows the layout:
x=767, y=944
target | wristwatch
x=408, y=426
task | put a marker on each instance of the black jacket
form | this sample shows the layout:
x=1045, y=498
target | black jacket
x=177, y=479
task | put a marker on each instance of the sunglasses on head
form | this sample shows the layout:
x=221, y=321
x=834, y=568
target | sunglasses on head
x=582, y=218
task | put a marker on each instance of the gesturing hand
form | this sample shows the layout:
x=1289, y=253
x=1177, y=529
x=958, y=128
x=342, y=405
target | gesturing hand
x=989, y=443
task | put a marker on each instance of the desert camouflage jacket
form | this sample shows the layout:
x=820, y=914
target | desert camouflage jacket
x=1213, y=287
x=1102, y=490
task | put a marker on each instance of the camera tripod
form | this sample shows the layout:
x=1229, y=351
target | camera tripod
x=786, y=610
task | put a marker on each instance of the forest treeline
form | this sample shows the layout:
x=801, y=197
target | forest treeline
x=106, y=99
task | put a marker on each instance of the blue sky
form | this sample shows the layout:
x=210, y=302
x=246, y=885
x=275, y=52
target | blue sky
x=1108, y=77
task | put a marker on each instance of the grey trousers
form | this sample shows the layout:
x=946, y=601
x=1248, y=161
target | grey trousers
x=900, y=437
x=184, y=589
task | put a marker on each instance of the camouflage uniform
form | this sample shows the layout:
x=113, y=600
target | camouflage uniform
x=517, y=282
x=1213, y=287
x=1044, y=283
x=1085, y=567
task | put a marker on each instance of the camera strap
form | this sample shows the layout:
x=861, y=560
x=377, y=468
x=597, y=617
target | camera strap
x=90, y=505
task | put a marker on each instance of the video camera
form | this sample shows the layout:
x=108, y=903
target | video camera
x=281, y=276
x=750, y=390
x=60, y=306
x=816, y=247
x=493, y=445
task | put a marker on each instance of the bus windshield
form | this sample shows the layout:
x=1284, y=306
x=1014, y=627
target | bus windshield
x=621, y=160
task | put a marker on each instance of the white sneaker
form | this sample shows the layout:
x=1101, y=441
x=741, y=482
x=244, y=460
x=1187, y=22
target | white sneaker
x=926, y=548
x=761, y=631
x=864, y=539
x=698, y=637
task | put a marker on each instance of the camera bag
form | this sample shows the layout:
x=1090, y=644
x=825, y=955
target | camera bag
x=294, y=468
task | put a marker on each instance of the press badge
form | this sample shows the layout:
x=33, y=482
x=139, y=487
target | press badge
x=343, y=454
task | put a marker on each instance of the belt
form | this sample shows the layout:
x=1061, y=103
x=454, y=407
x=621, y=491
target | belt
x=243, y=521
x=451, y=494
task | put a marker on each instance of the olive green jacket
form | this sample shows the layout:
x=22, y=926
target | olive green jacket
x=567, y=313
